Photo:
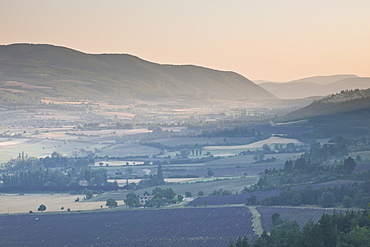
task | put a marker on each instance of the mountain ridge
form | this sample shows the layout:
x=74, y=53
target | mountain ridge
x=71, y=73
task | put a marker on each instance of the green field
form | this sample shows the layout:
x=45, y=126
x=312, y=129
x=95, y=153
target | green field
x=236, y=149
x=234, y=185
x=10, y=148
x=173, y=142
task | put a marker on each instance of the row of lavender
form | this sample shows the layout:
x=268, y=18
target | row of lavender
x=170, y=227
x=242, y=198
x=300, y=215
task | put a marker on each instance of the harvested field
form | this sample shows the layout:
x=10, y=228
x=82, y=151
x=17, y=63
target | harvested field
x=15, y=203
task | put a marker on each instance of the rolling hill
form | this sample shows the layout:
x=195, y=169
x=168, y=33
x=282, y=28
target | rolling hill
x=37, y=71
x=345, y=113
x=316, y=86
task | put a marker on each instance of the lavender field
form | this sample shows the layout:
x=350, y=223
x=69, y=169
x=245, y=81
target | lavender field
x=170, y=227
x=242, y=198
x=300, y=215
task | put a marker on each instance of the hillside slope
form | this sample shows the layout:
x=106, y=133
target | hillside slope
x=345, y=113
x=46, y=70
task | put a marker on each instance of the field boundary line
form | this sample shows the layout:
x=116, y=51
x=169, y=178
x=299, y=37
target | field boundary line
x=256, y=220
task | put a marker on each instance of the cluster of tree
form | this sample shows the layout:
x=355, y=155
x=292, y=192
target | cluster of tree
x=303, y=171
x=55, y=177
x=350, y=195
x=336, y=230
x=159, y=198
x=23, y=162
x=240, y=242
x=322, y=153
x=220, y=192
x=153, y=180
x=162, y=196
x=111, y=203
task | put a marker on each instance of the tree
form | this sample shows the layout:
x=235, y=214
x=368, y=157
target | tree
x=210, y=173
x=111, y=203
x=240, y=242
x=89, y=194
x=201, y=193
x=327, y=230
x=132, y=200
x=259, y=156
x=155, y=202
x=288, y=166
x=188, y=194
x=312, y=235
x=169, y=193
x=296, y=199
x=160, y=173
x=129, y=170
x=266, y=149
x=347, y=201
x=263, y=241
x=180, y=198
x=276, y=220
x=358, y=158
x=42, y=207
x=327, y=199
x=359, y=236
x=252, y=200
x=349, y=164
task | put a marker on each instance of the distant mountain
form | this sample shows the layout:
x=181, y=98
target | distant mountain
x=37, y=71
x=316, y=86
x=325, y=80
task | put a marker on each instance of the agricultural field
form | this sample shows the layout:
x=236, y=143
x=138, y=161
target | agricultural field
x=365, y=155
x=122, y=150
x=231, y=199
x=242, y=198
x=233, y=185
x=23, y=203
x=10, y=148
x=196, y=227
x=122, y=182
x=249, y=160
x=300, y=215
x=173, y=142
x=232, y=150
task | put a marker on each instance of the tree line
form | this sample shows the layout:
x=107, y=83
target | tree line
x=336, y=230
x=349, y=195
x=303, y=171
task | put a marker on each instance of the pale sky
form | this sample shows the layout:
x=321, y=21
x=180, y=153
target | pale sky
x=277, y=40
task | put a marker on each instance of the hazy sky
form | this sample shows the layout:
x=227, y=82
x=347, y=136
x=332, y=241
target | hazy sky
x=277, y=40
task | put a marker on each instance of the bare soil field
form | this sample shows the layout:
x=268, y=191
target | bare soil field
x=15, y=203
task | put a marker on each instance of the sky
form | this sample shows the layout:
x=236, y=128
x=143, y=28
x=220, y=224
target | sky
x=275, y=40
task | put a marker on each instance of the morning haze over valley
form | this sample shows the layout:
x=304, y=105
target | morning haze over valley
x=184, y=123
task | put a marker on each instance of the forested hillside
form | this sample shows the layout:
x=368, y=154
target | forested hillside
x=349, y=110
